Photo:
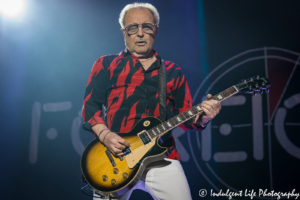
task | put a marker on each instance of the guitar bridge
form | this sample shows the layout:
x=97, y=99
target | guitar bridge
x=126, y=151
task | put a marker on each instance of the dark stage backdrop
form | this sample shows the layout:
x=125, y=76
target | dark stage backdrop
x=46, y=57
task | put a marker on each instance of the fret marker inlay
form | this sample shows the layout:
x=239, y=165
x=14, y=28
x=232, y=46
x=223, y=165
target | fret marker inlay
x=198, y=107
x=154, y=132
x=220, y=97
x=178, y=118
x=169, y=124
x=190, y=112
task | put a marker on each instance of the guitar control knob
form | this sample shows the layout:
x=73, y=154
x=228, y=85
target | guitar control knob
x=113, y=182
x=104, y=178
x=125, y=175
x=116, y=171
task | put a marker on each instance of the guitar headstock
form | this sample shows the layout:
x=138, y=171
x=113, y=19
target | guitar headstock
x=254, y=85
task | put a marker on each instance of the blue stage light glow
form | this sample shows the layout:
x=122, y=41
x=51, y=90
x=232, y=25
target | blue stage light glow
x=12, y=8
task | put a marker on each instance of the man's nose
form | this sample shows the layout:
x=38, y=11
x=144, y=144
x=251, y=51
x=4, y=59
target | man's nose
x=140, y=31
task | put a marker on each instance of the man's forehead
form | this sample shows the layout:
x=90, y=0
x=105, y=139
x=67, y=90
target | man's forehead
x=138, y=15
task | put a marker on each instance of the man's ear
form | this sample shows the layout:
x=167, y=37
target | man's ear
x=156, y=30
x=123, y=32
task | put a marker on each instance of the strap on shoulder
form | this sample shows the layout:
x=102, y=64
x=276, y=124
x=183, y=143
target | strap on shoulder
x=162, y=90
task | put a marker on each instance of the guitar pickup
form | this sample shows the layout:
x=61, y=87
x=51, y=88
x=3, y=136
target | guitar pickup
x=111, y=159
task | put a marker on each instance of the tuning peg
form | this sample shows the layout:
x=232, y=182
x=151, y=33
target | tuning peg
x=250, y=87
x=257, y=77
x=267, y=90
x=263, y=83
x=261, y=91
x=257, y=85
x=251, y=79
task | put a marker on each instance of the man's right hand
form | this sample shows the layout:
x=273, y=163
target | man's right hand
x=114, y=143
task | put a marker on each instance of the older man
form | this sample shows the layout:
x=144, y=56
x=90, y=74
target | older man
x=127, y=86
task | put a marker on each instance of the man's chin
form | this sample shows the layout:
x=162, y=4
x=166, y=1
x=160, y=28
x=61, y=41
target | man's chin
x=143, y=51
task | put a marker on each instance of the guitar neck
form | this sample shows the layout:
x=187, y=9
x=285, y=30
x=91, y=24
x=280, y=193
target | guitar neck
x=175, y=121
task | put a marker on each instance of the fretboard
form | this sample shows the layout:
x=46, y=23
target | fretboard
x=175, y=121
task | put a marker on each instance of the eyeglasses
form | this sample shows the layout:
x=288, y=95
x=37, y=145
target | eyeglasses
x=146, y=27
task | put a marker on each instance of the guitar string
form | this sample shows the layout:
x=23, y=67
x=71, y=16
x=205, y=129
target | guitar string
x=137, y=142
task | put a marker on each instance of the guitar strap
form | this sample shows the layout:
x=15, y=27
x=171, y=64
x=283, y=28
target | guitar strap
x=162, y=91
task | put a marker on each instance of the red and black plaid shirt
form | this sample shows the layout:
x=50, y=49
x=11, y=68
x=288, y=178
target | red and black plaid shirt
x=120, y=84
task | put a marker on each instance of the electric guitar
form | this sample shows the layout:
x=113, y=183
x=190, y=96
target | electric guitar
x=113, y=176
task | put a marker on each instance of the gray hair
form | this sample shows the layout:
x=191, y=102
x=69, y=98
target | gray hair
x=136, y=5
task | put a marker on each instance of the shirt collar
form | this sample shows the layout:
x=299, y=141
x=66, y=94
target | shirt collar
x=126, y=53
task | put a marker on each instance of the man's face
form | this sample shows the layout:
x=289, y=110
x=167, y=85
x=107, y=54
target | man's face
x=140, y=44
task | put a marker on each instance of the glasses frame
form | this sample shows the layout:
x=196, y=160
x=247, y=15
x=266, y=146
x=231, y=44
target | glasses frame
x=140, y=25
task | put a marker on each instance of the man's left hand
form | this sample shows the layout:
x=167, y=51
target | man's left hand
x=210, y=109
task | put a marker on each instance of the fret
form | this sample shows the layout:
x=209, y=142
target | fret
x=158, y=131
x=186, y=115
x=229, y=93
x=161, y=128
x=225, y=92
x=172, y=122
x=194, y=109
x=182, y=116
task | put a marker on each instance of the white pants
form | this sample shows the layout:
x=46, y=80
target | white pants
x=163, y=180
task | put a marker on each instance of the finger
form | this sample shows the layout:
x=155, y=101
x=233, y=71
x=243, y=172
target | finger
x=197, y=117
x=219, y=105
x=208, y=107
x=124, y=142
x=209, y=113
x=119, y=146
x=206, y=112
x=213, y=104
x=208, y=96
x=117, y=151
x=119, y=154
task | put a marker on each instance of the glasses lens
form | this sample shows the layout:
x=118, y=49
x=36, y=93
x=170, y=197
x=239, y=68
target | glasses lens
x=132, y=29
x=148, y=28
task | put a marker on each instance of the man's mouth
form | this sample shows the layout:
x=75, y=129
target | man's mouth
x=140, y=43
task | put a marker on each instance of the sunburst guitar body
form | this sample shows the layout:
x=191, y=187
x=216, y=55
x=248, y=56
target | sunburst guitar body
x=112, y=175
